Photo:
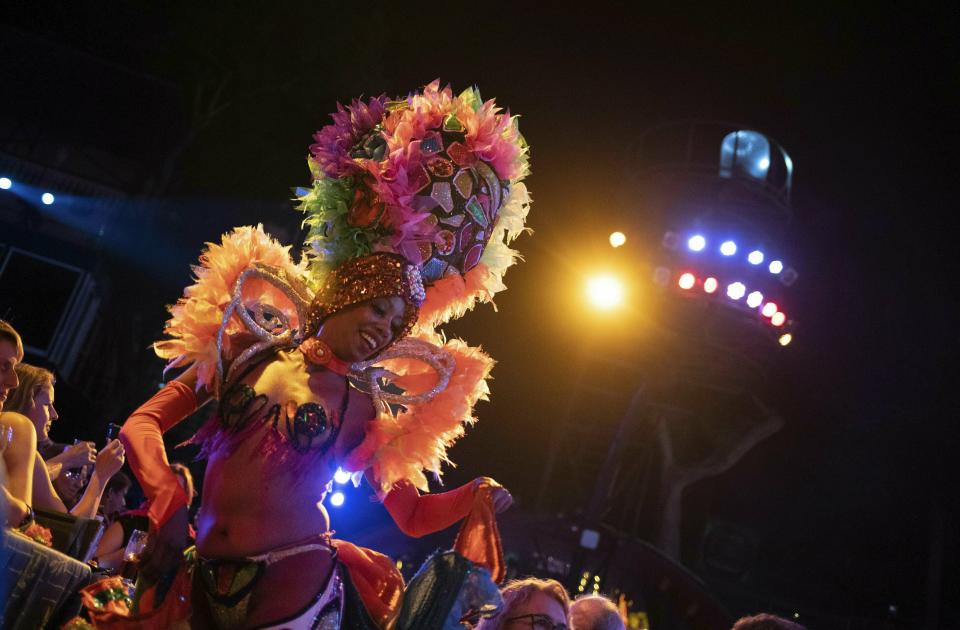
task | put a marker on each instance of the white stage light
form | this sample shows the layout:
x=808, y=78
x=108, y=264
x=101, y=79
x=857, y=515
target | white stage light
x=5, y=183
x=736, y=290
x=775, y=266
x=755, y=299
x=728, y=248
x=341, y=476
x=755, y=257
x=47, y=199
x=696, y=242
x=337, y=499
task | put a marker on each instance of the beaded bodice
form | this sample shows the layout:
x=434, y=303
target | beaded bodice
x=281, y=399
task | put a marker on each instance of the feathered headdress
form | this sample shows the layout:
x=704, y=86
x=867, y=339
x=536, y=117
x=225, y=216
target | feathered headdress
x=436, y=178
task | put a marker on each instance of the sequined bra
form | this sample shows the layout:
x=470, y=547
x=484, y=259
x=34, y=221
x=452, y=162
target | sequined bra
x=275, y=391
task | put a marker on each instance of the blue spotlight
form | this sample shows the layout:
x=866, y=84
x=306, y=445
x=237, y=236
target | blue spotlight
x=755, y=257
x=5, y=183
x=47, y=199
x=696, y=242
x=775, y=266
x=728, y=248
x=337, y=499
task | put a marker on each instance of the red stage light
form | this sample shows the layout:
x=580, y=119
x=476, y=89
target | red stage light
x=778, y=319
x=687, y=281
x=710, y=285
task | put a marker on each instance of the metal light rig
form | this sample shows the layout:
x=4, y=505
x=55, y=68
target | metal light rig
x=709, y=209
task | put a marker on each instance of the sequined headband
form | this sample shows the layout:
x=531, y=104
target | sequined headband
x=366, y=278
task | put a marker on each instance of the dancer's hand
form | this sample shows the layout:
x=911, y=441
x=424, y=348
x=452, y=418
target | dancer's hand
x=500, y=496
x=165, y=547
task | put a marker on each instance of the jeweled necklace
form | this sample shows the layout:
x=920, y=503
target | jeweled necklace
x=318, y=352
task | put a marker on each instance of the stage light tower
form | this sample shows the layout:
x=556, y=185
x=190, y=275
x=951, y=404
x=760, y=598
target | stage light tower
x=716, y=220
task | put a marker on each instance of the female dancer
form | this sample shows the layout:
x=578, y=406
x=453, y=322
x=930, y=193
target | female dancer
x=408, y=193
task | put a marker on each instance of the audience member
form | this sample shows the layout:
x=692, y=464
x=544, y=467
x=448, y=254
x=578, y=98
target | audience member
x=37, y=402
x=109, y=552
x=114, y=501
x=766, y=621
x=595, y=612
x=185, y=478
x=34, y=398
x=531, y=603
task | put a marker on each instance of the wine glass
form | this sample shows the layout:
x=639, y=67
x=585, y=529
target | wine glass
x=132, y=554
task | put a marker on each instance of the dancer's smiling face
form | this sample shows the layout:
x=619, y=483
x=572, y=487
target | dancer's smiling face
x=362, y=330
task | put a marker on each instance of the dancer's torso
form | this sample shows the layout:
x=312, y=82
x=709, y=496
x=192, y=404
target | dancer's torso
x=262, y=493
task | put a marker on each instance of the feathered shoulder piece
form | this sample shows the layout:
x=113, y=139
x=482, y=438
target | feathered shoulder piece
x=414, y=440
x=196, y=319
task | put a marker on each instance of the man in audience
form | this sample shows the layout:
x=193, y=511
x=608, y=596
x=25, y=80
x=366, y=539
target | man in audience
x=766, y=621
x=531, y=604
x=18, y=437
x=595, y=612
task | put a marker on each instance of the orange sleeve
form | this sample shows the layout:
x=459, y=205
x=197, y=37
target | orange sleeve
x=142, y=437
x=418, y=515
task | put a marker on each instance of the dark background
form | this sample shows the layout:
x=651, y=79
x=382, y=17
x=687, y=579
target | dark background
x=201, y=117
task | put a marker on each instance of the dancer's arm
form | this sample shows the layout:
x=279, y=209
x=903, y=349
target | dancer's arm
x=420, y=514
x=142, y=436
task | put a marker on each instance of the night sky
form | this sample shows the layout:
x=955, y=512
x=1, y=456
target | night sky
x=864, y=102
